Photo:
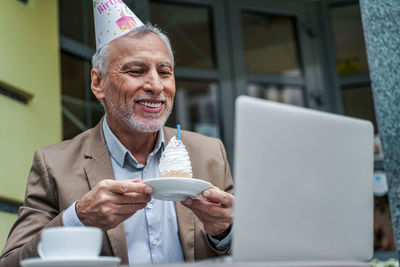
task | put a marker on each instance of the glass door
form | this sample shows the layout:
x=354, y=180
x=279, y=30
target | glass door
x=271, y=41
x=80, y=109
x=198, y=33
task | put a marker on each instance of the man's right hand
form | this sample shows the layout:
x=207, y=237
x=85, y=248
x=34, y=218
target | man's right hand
x=111, y=202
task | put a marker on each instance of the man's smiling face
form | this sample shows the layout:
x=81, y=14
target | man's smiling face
x=139, y=86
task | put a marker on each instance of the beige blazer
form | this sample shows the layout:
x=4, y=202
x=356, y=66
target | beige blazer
x=64, y=172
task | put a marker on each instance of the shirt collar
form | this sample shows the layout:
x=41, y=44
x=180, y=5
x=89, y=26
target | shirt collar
x=119, y=152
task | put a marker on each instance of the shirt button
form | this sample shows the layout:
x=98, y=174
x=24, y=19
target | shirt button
x=154, y=242
x=149, y=206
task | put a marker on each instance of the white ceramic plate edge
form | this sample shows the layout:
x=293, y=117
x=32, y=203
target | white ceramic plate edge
x=189, y=188
x=100, y=259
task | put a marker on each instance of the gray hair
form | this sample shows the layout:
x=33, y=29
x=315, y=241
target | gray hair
x=100, y=59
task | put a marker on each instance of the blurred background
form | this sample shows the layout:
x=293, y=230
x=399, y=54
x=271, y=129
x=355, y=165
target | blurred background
x=308, y=53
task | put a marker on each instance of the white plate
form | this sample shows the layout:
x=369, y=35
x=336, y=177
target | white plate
x=176, y=188
x=96, y=262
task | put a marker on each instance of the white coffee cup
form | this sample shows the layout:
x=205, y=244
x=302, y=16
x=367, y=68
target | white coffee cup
x=70, y=243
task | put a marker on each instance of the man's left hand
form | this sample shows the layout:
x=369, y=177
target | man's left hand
x=215, y=212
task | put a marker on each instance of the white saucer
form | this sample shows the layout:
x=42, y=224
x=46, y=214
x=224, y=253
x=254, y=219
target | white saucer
x=95, y=262
x=176, y=188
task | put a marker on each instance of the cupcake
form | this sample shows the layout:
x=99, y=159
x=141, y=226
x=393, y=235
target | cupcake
x=175, y=161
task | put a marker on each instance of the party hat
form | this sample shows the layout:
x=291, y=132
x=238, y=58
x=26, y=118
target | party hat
x=112, y=19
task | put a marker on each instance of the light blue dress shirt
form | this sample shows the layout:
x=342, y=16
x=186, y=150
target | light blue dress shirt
x=151, y=233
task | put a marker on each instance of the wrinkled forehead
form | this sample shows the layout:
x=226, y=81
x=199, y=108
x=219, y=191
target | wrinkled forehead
x=138, y=45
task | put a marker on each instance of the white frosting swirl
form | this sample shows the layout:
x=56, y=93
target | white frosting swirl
x=175, y=157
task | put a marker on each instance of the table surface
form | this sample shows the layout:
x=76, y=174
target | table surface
x=268, y=264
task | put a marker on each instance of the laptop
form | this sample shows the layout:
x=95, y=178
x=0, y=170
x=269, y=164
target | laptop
x=303, y=185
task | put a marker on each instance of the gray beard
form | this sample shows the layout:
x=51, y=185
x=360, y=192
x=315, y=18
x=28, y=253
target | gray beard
x=148, y=125
x=145, y=126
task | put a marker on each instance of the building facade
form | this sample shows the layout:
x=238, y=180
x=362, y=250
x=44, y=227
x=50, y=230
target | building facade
x=308, y=53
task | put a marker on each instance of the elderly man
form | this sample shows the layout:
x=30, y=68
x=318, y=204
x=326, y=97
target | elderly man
x=95, y=178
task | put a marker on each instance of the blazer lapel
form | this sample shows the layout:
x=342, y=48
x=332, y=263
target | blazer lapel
x=185, y=216
x=97, y=168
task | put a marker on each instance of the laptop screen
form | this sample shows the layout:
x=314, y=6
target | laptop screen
x=303, y=184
